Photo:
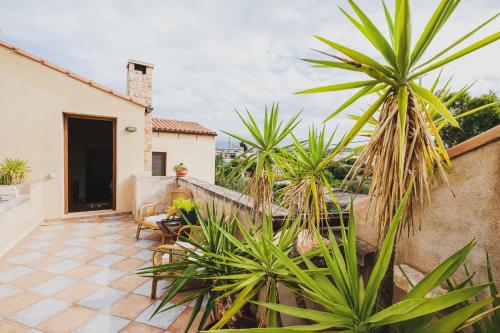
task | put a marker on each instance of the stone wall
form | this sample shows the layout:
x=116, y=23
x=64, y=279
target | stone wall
x=466, y=210
x=20, y=215
x=140, y=88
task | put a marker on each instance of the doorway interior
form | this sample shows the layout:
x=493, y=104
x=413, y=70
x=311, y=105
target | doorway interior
x=90, y=163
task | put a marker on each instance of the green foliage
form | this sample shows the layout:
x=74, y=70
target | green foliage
x=488, y=319
x=186, y=205
x=200, y=264
x=305, y=165
x=339, y=171
x=349, y=304
x=264, y=147
x=472, y=124
x=13, y=171
x=179, y=167
x=226, y=175
x=259, y=269
x=402, y=146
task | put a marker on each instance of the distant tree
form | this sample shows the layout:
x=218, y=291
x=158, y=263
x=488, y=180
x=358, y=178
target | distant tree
x=339, y=170
x=474, y=124
x=224, y=175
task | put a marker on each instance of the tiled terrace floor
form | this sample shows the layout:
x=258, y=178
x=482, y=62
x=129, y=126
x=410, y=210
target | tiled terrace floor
x=78, y=276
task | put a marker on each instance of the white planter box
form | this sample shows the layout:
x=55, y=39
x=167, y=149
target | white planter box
x=8, y=192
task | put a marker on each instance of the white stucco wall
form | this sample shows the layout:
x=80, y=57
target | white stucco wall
x=33, y=99
x=197, y=152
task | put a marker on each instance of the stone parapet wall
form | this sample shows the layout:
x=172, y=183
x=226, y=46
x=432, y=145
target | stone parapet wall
x=20, y=215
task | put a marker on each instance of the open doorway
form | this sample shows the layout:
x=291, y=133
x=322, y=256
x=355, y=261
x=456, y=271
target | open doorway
x=90, y=163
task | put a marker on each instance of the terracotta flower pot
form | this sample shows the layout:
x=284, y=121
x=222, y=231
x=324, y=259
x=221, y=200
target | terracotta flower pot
x=181, y=172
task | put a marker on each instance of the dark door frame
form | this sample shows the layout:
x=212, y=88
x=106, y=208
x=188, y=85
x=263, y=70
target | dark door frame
x=67, y=116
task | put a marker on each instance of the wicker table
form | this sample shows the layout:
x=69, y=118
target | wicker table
x=169, y=225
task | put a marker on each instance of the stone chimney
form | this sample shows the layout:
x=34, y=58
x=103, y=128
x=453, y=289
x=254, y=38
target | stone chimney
x=140, y=88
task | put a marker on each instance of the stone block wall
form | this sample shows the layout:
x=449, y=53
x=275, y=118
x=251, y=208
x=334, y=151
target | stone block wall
x=140, y=88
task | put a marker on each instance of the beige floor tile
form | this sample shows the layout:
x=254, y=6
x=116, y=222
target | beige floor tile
x=15, y=251
x=77, y=291
x=32, y=279
x=135, y=327
x=127, y=251
x=6, y=265
x=130, y=306
x=128, y=282
x=44, y=262
x=61, y=238
x=129, y=264
x=93, y=244
x=89, y=256
x=53, y=248
x=9, y=326
x=127, y=240
x=68, y=321
x=84, y=271
x=179, y=325
x=181, y=295
x=16, y=303
x=155, y=236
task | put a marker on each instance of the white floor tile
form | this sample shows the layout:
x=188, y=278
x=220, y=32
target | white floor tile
x=39, y=312
x=103, y=298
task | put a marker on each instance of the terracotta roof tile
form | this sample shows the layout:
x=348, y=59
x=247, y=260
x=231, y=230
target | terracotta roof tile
x=180, y=126
x=68, y=72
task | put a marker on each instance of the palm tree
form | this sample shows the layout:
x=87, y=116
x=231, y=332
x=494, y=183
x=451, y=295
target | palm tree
x=402, y=146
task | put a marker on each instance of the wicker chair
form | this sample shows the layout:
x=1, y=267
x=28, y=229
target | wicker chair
x=150, y=210
x=166, y=253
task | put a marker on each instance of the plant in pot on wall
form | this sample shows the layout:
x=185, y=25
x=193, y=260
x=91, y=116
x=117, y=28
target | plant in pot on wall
x=13, y=171
x=186, y=208
x=180, y=170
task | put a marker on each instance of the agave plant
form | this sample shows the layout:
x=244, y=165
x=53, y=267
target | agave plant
x=349, y=305
x=260, y=158
x=199, y=264
x=402, y=146
x=14, y=171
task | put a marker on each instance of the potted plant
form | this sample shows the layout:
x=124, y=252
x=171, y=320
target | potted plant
x=13, y=171
x=180, y=170
x=186, y=208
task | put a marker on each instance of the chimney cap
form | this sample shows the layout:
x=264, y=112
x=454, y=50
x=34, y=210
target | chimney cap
x=132, y=61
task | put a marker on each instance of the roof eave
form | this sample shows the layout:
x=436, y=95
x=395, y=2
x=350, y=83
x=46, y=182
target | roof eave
x=163, y=130
x=71, y=74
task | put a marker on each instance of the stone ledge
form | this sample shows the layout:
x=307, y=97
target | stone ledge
x=415, y=276
x=224, y=193
x=9, y=204
x=475, y=142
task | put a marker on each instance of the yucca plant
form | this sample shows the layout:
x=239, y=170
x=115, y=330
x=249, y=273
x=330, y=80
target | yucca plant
x=198, y=264
x=260, y=269
x=402, y=147
x=304, y=166
x=349, y=305
x=14, y=171
x=264, y=146
x=438, y=122
x=487, y=320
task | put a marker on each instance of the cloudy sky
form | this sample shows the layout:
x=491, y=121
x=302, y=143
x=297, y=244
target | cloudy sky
x=214, y=56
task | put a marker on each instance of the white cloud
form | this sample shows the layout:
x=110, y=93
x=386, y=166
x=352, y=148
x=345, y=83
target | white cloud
x=213, y=56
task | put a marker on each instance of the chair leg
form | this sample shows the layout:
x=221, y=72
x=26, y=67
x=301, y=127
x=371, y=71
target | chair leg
x=138, y=231
x=154, y=285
